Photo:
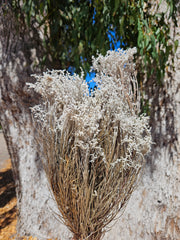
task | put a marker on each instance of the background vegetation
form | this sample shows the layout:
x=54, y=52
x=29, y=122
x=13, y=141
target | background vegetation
x=73, y=30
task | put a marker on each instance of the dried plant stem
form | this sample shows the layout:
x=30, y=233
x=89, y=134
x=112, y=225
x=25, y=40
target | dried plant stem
x=92, y=148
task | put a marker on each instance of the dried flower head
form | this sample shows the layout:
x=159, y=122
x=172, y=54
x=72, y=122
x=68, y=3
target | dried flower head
x=93, y=147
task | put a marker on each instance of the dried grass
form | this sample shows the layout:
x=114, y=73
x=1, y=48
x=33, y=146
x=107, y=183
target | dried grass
x=88, y=194
x=92, y=167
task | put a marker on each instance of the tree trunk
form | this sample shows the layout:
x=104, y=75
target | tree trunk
x=153, y=212
x=19, y=51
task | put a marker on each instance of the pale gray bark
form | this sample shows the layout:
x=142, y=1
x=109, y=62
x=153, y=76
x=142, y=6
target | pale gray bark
x=153, y=212
x=19, y=51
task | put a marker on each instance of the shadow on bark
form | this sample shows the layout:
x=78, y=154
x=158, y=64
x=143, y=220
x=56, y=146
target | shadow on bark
x=162, y=119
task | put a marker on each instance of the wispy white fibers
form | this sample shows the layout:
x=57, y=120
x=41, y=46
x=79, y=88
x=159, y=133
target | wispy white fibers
x=93, y=146
x=115, y=101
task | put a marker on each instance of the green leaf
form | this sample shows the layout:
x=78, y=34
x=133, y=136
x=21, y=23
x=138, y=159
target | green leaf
x=116, y=5
x=80, y=47
x=41, y=8
x=157, y=31
x=176, y=44
x=147, y=40
x=122, y=25
x=149, y=47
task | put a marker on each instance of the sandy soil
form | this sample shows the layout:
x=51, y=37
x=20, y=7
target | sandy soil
x=7, y=195
x=7, y=203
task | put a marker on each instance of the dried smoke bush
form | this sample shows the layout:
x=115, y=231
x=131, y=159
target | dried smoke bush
x=93, y=147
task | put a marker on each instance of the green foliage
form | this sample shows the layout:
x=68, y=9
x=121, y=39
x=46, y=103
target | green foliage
x=149, y=32
x=74, y=30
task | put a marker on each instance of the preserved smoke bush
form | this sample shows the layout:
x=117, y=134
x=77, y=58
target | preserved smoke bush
x=92, y=147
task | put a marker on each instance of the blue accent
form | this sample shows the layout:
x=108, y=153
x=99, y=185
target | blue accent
x=90, y=76
x=94, y=16
x=71, y=70
x=114, y=42
x=92, y=85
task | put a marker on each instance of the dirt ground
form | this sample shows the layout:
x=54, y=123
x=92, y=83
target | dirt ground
x=7, y=203
x=7, y=195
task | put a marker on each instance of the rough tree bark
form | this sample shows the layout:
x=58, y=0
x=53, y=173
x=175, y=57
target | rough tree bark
x=153, y=211
x=19, y=53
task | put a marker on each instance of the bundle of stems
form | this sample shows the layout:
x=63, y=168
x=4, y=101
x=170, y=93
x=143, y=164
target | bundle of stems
x=92, y=147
